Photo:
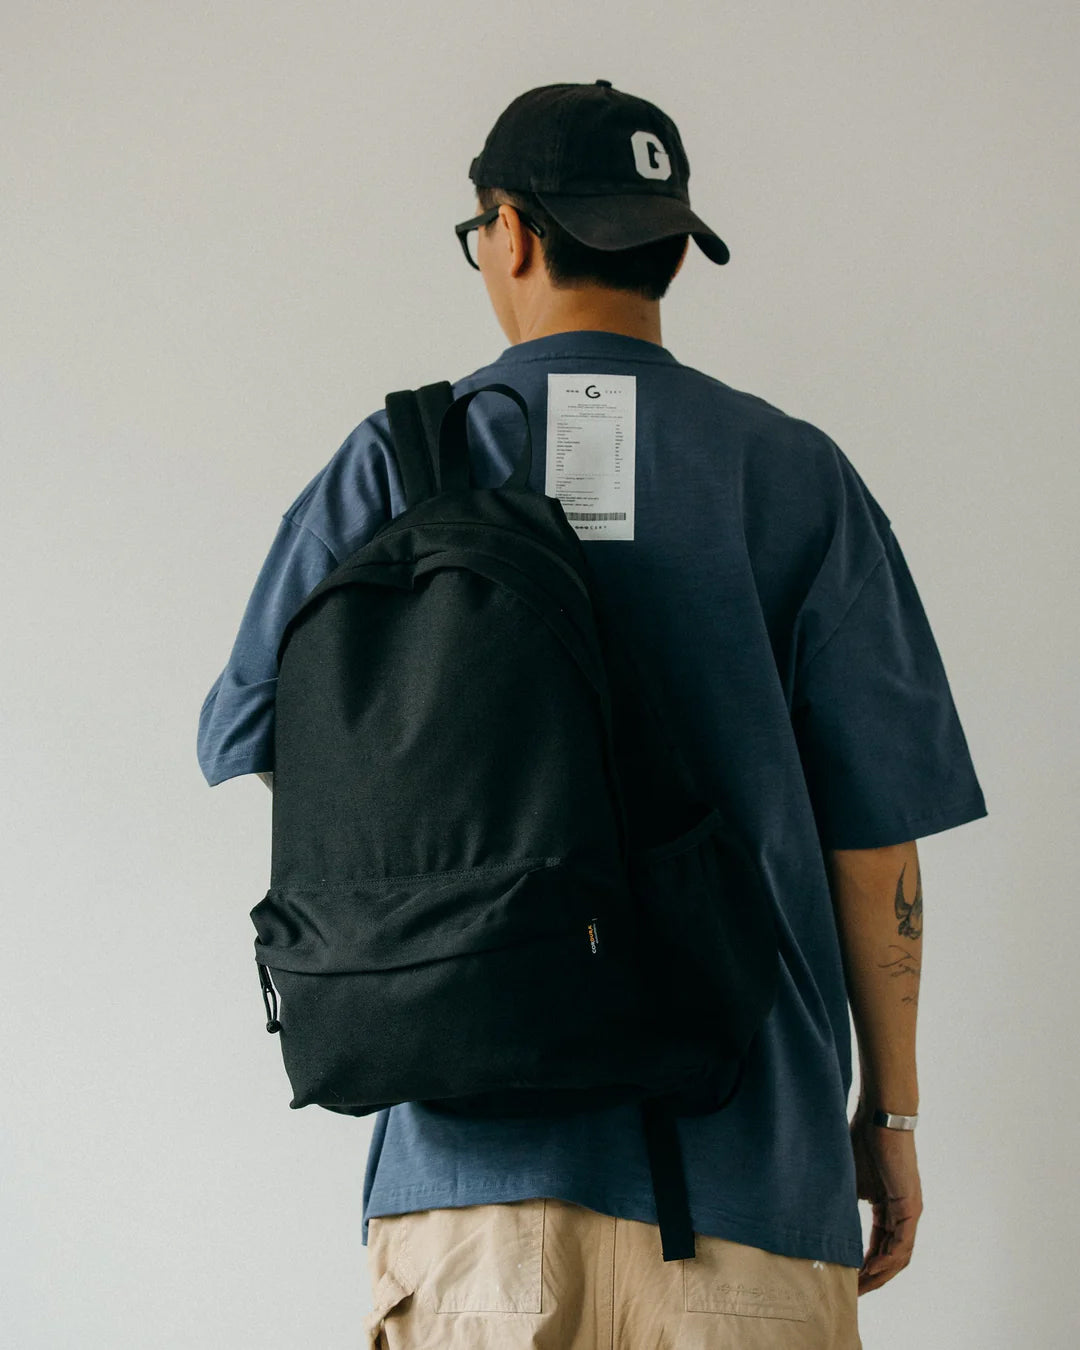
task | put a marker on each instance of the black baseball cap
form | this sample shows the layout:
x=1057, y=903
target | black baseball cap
x=608, y=166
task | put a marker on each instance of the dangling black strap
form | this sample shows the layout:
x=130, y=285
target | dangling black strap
x=664, y=1150
x=668, y=1180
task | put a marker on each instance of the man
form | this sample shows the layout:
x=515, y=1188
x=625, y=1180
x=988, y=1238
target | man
x=769, y=599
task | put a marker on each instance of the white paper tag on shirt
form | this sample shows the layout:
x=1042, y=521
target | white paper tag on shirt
x=592, y=451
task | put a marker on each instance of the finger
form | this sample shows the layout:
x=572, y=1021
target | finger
x=878, y=1272
x=877, y=1252
x=878, y=1234
x=873, y=1280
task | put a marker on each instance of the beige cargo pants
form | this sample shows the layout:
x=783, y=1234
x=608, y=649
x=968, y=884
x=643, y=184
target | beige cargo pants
x=551, y=1275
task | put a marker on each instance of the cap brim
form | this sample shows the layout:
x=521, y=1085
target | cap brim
x=624, y=220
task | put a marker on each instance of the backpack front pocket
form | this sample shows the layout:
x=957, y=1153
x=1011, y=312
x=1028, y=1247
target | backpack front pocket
x=448, y=985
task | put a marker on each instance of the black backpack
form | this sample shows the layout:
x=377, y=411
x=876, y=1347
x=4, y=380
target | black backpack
x=494, y=889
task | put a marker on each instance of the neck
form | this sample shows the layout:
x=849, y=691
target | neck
x=594, y=307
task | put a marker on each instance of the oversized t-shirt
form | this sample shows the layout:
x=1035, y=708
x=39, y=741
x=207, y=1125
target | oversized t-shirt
x=770, y=603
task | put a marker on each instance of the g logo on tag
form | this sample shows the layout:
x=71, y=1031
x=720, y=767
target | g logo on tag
x=646, y=146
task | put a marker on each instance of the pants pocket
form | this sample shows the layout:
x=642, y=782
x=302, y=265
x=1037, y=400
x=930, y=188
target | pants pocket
x=389, y=1291
x=475, y=1258
x=743, y=1281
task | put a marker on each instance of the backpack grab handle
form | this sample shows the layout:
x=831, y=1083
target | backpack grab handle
x=453, y=456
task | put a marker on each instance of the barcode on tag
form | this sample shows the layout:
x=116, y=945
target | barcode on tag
x=595, y=515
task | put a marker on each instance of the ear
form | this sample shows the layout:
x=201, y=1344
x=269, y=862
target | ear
x=521, y=237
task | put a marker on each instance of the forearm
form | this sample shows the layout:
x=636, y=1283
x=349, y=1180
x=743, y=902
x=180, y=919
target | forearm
x=877, y=899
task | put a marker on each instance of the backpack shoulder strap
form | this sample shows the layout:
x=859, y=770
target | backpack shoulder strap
x=415, y=416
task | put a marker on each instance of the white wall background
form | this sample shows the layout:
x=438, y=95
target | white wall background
x=226, y=233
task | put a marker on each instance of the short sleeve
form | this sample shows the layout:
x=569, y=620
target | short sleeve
x=882, y=748
x=236, y=721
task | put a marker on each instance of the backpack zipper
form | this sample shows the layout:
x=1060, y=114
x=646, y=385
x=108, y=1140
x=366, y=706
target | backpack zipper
x=267, y=988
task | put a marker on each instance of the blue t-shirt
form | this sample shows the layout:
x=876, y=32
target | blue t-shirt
x=768, y=597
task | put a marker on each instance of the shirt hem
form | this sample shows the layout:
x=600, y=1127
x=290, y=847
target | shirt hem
x=946, y=818
x=969, y=808
x=214, y=776
x=709, y=1220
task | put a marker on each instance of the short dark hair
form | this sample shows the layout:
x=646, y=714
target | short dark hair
x=646, y=269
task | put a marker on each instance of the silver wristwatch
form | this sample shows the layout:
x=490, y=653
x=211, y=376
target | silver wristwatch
x=894, y=1122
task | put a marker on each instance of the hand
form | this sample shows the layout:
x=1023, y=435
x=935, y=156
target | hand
x=886, y=1174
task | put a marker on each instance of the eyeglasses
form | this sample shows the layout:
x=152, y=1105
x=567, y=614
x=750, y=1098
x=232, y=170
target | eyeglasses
x=464, y=229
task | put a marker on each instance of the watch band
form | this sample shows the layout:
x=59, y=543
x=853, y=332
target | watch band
x=894, y=1122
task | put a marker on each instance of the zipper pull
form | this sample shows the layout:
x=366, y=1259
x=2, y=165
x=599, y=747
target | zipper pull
x=267, y=988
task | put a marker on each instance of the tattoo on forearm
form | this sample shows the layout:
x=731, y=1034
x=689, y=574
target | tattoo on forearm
x=903, y=965
x=910, y=916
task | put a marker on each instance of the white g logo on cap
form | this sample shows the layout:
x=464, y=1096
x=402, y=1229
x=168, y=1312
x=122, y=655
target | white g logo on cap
x=645, y=145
